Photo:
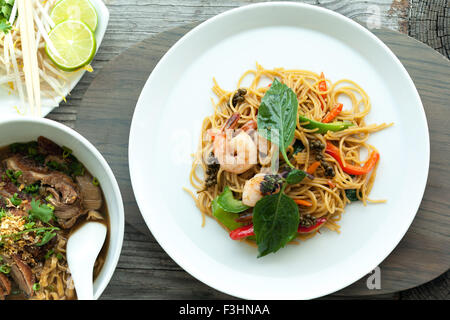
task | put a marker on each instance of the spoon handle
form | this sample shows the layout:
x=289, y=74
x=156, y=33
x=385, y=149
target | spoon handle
x=83, y=248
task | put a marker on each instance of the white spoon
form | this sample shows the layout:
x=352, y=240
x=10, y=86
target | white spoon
x=83, y=248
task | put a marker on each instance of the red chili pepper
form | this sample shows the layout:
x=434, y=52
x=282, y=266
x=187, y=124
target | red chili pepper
x=247, y=231
x=333, y=113
x=242, y=232
x=323, y=87
x=333, y=151
x=319, y=223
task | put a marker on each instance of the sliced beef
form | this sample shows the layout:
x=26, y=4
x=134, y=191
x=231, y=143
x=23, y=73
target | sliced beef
x=32, y=173
x=7, y=189
x=64, y=185
x=5, y=286
x=53, y=158
x=66, y=196
x=48, y=147
x=91, y=194
x=21, y=273
x=67, y=214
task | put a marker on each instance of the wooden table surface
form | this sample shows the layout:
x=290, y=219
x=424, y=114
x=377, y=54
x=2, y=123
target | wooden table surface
x=134, y=20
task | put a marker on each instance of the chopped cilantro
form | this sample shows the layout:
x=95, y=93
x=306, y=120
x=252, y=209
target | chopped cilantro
x=40, y=211
x=15, y=200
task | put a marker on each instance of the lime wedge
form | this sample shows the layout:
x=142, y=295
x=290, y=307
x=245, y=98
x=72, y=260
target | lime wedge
x=81, y=10
x=73, y=43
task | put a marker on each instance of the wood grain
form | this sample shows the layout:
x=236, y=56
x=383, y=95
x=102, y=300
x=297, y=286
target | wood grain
x=430, y=24
x=132, y=21
x=145, y=271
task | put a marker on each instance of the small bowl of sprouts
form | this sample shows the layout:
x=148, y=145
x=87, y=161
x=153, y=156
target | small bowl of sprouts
x=39, y=62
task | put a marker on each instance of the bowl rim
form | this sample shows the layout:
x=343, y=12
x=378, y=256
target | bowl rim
x=342, y=283
x=114, y=252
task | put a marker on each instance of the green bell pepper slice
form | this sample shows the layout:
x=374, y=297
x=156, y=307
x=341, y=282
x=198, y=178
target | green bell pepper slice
x=230, y=204
x=228, y=219
x=324, y=127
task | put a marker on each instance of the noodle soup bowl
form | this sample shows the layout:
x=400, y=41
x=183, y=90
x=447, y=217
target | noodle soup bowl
x=29, y=129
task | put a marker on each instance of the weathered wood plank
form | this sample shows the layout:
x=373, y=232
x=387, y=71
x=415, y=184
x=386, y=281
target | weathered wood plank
x=430, y=23
x=110, y=101
x=133, y=21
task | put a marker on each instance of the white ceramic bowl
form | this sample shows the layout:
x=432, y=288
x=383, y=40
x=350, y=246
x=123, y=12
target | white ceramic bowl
x=29, y=129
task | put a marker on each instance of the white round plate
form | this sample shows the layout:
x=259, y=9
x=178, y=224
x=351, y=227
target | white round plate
x=166, y=128
x=10, y=101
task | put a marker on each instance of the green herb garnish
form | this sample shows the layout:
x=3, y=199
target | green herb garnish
x=32, y=188
x=13, y=175
x=5, y=269
x=5, y=14
x=277, y=116
x=49, y=253
x=2, y=213
x=15, y=200
x=40, y=211
x=275, y=222
x=67, y=152
x=48, y=235
x=295, y=176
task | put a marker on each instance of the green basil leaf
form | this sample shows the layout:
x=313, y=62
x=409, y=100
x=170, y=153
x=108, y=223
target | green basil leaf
x=277, y=116
x=275, y=222
x=295, y=176
x=230, y=204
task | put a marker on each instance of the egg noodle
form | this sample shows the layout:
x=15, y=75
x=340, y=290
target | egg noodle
x=317, y=97
x=55, y=280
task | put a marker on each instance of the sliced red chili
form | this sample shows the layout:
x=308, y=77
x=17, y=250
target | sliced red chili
x=333, y=151
x=242, y=232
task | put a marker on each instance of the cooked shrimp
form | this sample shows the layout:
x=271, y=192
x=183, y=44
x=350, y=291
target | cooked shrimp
x=252, y=189
x=265, y=149
x=235, y=155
